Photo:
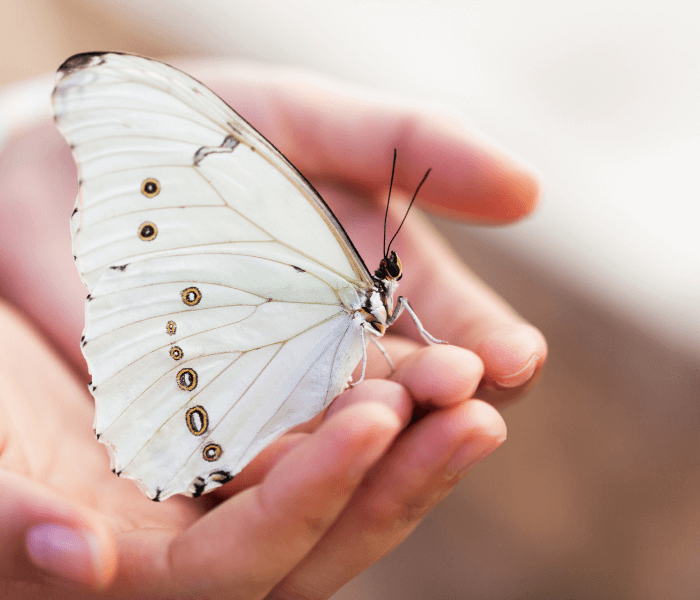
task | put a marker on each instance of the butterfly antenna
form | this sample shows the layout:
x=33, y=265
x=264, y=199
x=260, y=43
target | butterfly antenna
x=386, y=214
x=422, y=181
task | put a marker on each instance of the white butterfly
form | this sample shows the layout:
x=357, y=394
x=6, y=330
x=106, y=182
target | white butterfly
x=226, y=302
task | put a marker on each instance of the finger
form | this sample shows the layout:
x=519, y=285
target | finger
x=251, y=541
x=440, y=376
x=452, y=303
x=418, y=471
x=456, y=306
x=36, y=276
x=389, y=393
x=494, y=393
x=44, y=538
x=392, y=395
x=256, y=470
x=377, y=368
x=333, y=130
x=397, y=347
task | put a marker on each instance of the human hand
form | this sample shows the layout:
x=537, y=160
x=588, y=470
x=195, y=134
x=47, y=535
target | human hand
x=371, y=500
x=303, y=518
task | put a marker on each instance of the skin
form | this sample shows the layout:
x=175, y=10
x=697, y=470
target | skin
x=329, y=499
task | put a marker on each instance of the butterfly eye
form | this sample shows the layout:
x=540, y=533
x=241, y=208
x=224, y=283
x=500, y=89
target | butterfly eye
x=176, y=352
x=393, y=266
x=393, y=270
x=171, y=327
x=150, y=187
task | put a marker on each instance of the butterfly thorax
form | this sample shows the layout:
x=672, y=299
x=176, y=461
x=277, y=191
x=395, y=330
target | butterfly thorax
x=378, y=303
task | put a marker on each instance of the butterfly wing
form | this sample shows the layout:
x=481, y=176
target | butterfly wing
x=222, y=289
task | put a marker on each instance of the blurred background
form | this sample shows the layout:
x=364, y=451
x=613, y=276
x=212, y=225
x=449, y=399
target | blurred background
x=596, y=494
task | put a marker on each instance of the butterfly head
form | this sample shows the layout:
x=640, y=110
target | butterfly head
x=389, y=271
x=389, y=268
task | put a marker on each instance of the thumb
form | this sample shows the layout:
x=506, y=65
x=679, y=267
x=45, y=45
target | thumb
x=44, y=538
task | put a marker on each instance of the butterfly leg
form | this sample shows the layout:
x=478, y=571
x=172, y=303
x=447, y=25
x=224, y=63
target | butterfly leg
x=400, y=305
x=364, y=359
x=385, y=354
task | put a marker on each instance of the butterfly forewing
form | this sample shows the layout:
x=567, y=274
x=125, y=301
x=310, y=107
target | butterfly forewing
x=222, y=288
x=111, y=145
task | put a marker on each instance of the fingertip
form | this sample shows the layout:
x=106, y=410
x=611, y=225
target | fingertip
x=478, y=177
x=521, y=185
x=73, y=554
x=513, y=355
x=487, y=431
x=440, y=375
x=43, y=535
x=486, y=422
x=473, y=420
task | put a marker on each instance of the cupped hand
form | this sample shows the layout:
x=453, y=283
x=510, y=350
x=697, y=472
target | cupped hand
x=325, y=502
x=310, y=513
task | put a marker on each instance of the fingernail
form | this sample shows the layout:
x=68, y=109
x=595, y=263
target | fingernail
x=470, y=455
x=64, y=552
x=521, y=376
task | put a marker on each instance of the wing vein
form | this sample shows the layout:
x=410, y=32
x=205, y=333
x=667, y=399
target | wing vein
x=155, y=208
x=355, y=282
x=298, y=384
x=206, y=124
x=333, y=316
x=213, y=429
x=189, y=310
x=167, y=253
x=209, y=433
x=163, y=376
